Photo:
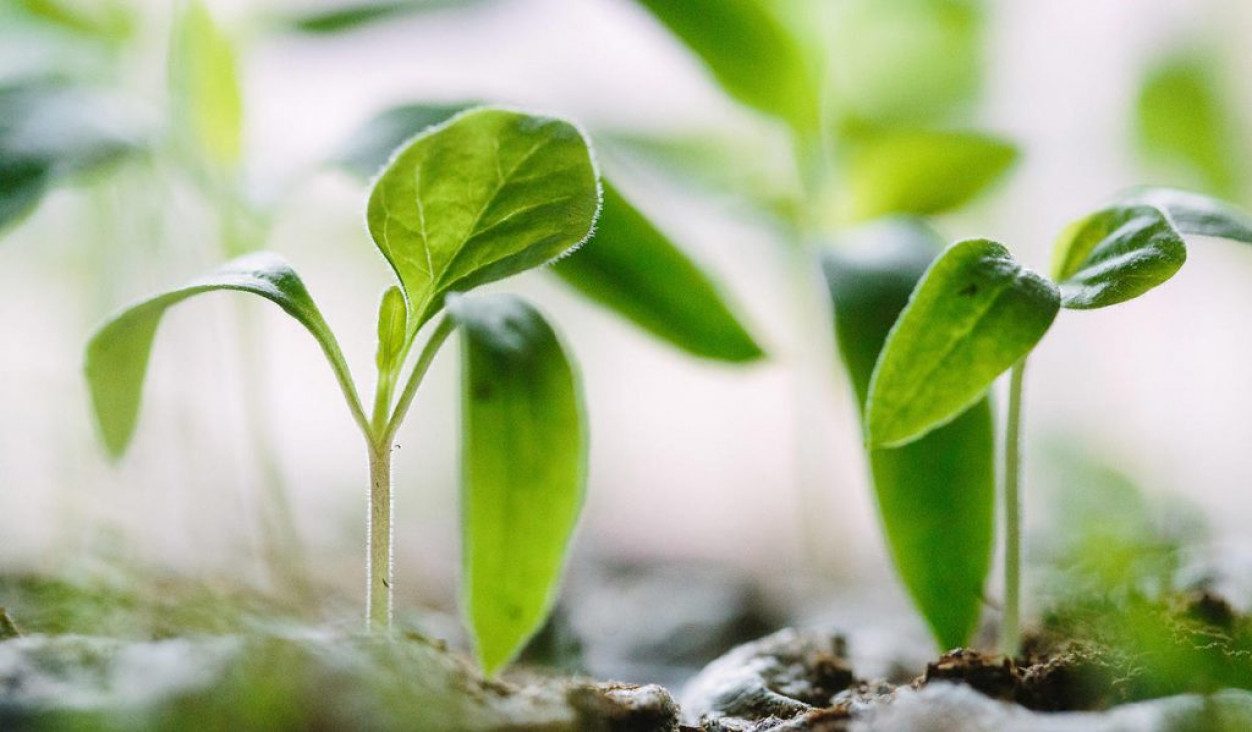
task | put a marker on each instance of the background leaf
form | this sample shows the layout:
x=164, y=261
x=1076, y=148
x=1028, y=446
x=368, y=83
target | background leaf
x=1115, y=255
x=489, y=194
x=354, y=15
x=936, y=496
x=974, y=314
x=117, y=354
x=524, y=471
x=1193, y=213
x=107, y=19
x=204, y=75
x=369, y=147
x=633, y=268
x=921, y=172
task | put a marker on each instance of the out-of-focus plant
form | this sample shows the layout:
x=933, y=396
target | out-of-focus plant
x=977, y=313
x=486, y=195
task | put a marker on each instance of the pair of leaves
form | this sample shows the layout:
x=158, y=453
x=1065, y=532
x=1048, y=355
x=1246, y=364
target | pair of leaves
x=977, y=312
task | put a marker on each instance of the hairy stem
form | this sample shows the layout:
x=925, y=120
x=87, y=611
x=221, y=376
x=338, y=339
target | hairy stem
x=379, y=562
x=1010, y=630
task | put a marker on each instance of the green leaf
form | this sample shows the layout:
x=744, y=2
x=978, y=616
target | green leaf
x=354, y=15
x=524, y=448
x=110, y=20
x=486, y=195
x=975, y=313
x=392, y=329
x=369, y=147
x=204, y=73
x=750, y=53
x=1193, y=213
x=118, y=352
x=936, y=496
x=633, y=268
x=1115, y=255
x=1185, y=121
x=921, y=172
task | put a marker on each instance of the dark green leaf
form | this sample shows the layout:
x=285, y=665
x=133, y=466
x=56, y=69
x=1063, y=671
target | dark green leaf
x=974, y=314
x=204, y=73
x=1193, y=213
x=371, y=146
x=748, y=51
x=354, y=15
x=524, y=448
x=1115, y=255
x=921, y=172
x=633, y=268
x=117, y=355
x=936, y=496
x=488, y=194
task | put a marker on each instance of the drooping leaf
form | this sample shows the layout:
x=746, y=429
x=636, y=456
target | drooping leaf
x=369, y=147
x=486, y=195
x=936, y=496
x=921, y=172
x=353, y=15
x=750, y=53
x=1185, y=122
x=524, y=449
x=1115, y=255
x=118, y=352
x=975, y=313
x=1193, y=213
x=204, y=74
x=633, y=268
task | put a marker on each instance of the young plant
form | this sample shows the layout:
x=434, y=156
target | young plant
x=488, y=194
x=977, y=313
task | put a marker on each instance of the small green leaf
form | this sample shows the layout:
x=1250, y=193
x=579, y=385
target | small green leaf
x=1115, y=255
x=524, y=448
x=118, y=352
x=921, y=172
x=1193, y=213
x=974, y=314
x=936, y=496
x=392, y=316
x=204, y=73
x=369, y=147
x=353, y=15
x=486, y=195
x=750, y=53
x=634, y=269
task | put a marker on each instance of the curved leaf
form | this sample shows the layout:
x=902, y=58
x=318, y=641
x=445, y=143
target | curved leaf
x=524, y=449
x=1193, y=213
x=633, y=268
x=974, y=314
x=1115, y=255
x=486, y=195
x=936, y=496
x=118, y=352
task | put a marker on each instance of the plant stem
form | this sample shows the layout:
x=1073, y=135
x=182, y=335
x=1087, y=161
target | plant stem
x=1010, y=631
x=379, y=562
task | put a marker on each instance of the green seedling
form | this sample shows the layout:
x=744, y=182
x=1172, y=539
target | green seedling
x=486, y=195
x=977, y=313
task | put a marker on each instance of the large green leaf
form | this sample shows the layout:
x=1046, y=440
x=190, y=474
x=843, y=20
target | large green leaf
x=1115, y=255
x=936, y=496
x=633, y=268
x=204, y=74
x=524, y=449
x=750, y=53
x=486, y=195
x=1184, y=121
x=1193, y=213
x=118, y=353
x=921, y=172
x=974, y=314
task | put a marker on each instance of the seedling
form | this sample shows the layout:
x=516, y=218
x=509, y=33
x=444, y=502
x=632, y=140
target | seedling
x=977, y=313
x=488, y=194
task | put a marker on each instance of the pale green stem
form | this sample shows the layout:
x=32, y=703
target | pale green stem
x=1010, y=630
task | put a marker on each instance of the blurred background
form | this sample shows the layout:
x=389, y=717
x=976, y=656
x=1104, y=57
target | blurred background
x=756, y=466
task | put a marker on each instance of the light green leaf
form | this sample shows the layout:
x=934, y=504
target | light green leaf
x=486, y=195
x=524, y=448
x=975, y=313
x=1115, y=255
x=750, y=53
x=118, y=352
x=921, y=172
x=936, y=496
x=204, y=74
x=1185, y=122
x=633, y=268
x=1193, y=213
x=369, y=147
x=107, y=19
x=392, y=329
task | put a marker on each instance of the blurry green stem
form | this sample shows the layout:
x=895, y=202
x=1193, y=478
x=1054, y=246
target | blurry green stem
x=1010, y=630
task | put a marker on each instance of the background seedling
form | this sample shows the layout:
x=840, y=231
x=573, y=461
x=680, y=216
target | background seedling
x=977, y=313
x=486, y=195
